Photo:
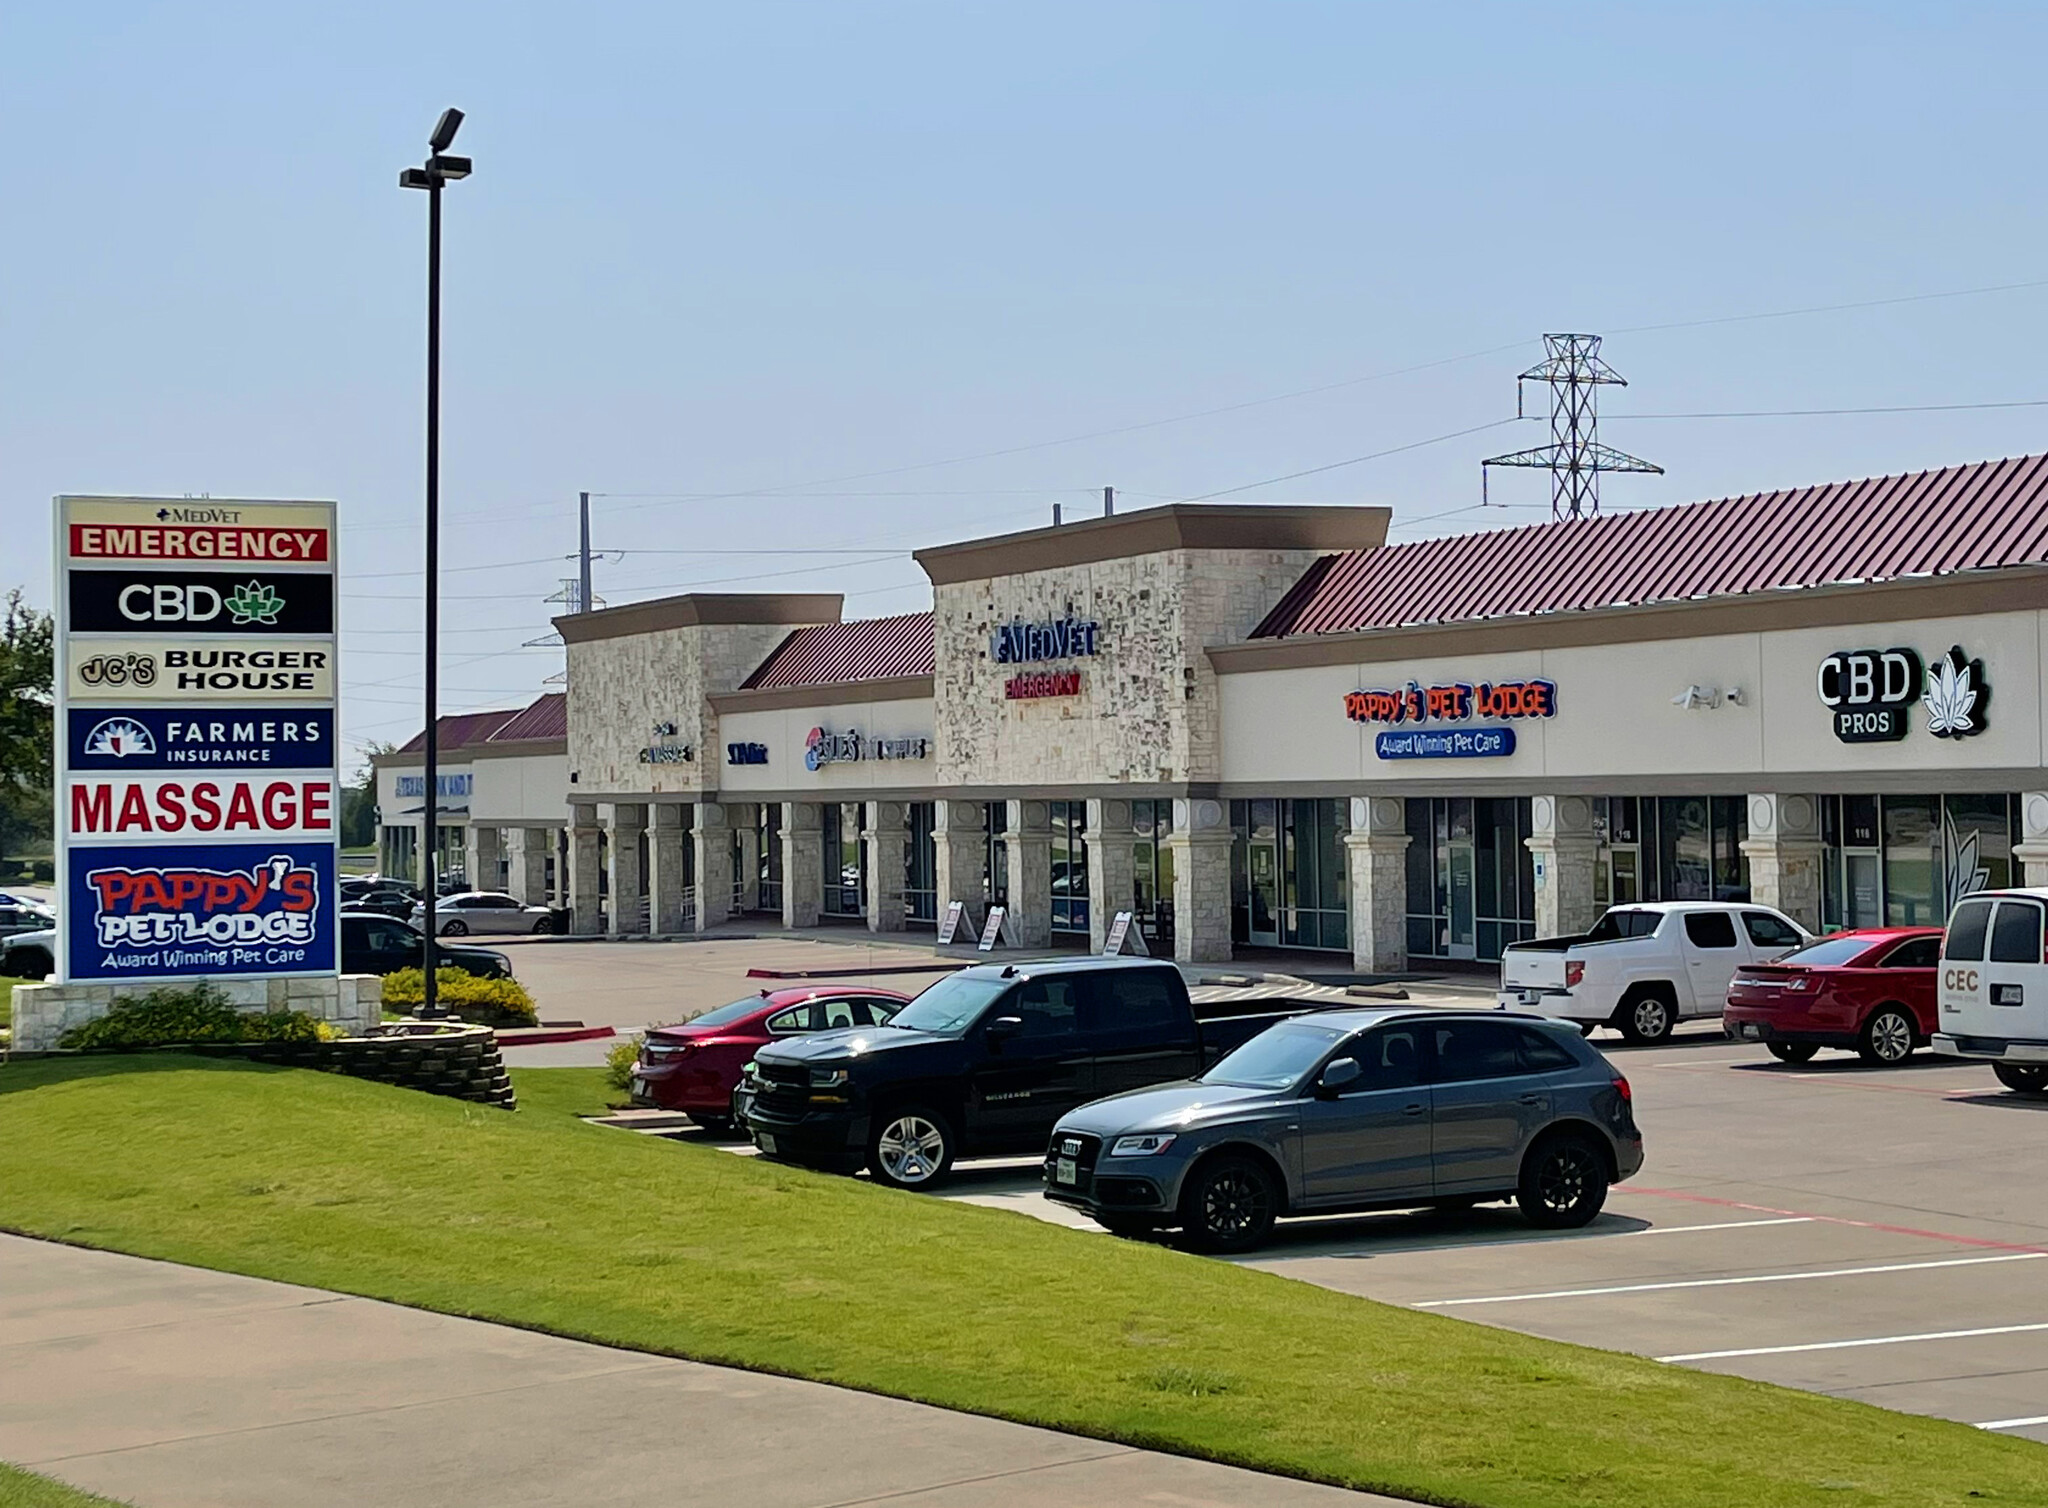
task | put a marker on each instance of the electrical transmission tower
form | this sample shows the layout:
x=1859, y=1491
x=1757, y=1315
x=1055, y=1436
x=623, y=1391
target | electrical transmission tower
x=1574, y=457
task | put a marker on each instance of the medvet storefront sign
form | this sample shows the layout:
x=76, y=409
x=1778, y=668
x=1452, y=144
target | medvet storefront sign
x=197, y=764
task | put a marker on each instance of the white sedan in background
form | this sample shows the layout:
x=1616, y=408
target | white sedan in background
x=483, y=911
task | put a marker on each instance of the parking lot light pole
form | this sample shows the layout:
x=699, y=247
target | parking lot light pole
x=439, y=169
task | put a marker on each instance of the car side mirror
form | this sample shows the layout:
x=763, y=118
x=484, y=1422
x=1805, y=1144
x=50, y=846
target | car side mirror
x=1002, y=1028
x=1335, y=1076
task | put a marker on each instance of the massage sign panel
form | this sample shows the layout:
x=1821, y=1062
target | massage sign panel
x=1457, y=720
x=199, y=794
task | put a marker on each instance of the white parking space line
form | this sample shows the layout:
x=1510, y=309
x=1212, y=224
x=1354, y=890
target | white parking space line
x=1769, y=1277
x=2015, y=1423
x=1679, y=1230
x=1876, y=1340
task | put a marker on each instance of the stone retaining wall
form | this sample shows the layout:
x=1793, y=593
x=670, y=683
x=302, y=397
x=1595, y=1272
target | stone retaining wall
x=351, y=1004
x=461, y=1062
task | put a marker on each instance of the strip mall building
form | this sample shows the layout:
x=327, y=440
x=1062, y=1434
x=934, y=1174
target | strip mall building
x=1264, y=727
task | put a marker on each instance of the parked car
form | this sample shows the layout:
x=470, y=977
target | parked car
x=695, y=1067
x=1993, y=987
x=1357, y=1110
x=21, y=916
x=372, y=943
x=1870, y=990
x=29, y=955
x=1644, y=968
x=984, y=1061
x=484, y=911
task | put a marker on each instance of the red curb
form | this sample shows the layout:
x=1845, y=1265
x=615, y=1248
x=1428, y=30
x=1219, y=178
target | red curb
x=1893, y=1230
x=938, y=966
x=536, y=1036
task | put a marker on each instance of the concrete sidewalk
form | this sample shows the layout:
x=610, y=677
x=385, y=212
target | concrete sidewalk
x=170, y=1386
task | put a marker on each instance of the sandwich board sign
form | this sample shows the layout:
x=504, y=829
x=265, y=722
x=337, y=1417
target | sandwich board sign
x=954, y=919
x=197, y=776
x=999, y=926
x=1123, y=932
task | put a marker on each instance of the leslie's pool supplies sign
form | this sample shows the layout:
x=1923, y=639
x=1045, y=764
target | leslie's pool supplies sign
x=198, y=642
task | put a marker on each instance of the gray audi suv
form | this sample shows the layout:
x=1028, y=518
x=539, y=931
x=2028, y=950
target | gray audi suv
x=1357, y=1110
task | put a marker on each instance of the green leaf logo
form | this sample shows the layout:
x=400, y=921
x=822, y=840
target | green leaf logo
x=255, y=603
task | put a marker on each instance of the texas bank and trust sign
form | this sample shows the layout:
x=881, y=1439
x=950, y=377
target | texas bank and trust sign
x=198, y=755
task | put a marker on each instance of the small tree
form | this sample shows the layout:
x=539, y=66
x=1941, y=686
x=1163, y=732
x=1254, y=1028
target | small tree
x=359, y=799
x=27, y=726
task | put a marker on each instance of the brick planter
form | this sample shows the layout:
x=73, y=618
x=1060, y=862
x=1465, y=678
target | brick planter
x=461, y=1062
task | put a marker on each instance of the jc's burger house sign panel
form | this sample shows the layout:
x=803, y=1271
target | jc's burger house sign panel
x=197, y=749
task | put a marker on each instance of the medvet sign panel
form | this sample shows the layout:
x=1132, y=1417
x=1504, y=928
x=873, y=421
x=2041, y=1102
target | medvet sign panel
x=196, y=769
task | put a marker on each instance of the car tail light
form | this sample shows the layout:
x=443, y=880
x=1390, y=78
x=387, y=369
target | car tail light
x=1799, y=982
x=1574, y=971
x=1628, y=1095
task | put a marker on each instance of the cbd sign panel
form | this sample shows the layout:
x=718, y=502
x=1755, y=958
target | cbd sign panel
x=197, y=768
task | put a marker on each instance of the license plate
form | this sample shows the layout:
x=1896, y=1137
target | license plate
x=1064, y=1171
x=1752, y=1031
x=764, y=1141
x=639, y=1088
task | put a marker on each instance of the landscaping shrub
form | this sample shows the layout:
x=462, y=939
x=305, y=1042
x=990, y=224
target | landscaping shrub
x=619, y=1059
x=174, y=1016
x=487, y=1002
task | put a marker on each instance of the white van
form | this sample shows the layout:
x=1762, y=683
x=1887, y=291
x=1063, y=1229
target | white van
x=1993, y=986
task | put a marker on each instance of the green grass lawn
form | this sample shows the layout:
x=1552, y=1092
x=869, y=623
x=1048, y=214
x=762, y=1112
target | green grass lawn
x=24, y=1489
x=537, y=1219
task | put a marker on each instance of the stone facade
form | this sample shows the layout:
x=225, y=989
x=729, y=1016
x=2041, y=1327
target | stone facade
x=1566, y=851
x=1146, y=711
x=1785, y=853
x=352, y=1003
x=1376, y=850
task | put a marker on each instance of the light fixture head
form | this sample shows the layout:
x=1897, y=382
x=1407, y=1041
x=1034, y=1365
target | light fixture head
x=445, y=129
x=416, y=178
x=448, y=169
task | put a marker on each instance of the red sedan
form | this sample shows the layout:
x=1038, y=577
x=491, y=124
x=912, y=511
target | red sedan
x=696, y=1066
x=1871, y=990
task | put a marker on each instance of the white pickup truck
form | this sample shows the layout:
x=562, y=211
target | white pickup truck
x=1644, y=968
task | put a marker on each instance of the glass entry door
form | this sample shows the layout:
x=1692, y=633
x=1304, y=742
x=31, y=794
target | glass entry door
x=1262, y=863
x=1464, y=932
x=1864, y=893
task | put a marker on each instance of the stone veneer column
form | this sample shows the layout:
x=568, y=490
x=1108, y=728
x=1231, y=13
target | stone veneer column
x=1566, y=852
x=628, y=885
x=887, y=836
x=1029, y=851
x=2032, y=850
x=482, y=848
x=959, y=849
x=746, y=819
x=1784, y=852
x=713, y=836
x=665, y=839
x=1200, y=844
x=1376, y=849
x=526, y=852
x=803, y=864
x=1112, y=868
x=585, y=919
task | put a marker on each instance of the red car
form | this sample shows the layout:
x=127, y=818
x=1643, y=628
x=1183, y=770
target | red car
x=696, y=1066
x=1871, y=990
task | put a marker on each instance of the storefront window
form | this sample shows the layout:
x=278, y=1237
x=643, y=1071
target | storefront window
x=920, y=866
x=1912, y=861
x=995, y=866
x=1290, y=882
x=1152, y=871
x=1069, y=866
x=845, y=861
x=1471, y=877
x=768, y=830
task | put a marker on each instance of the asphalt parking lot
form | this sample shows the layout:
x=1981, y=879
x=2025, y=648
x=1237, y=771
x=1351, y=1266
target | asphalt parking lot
x=1873, y=1234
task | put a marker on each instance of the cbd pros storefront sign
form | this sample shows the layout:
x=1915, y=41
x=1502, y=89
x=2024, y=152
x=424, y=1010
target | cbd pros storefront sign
x=199, y=794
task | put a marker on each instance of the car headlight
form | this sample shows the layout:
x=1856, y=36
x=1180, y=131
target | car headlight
x=828, y=1078
x=1140, y=1146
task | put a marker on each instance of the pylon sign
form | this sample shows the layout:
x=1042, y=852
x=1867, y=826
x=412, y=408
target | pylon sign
x=197, y=769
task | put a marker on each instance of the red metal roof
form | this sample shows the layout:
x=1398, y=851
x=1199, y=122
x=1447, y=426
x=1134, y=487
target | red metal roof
x=1961, y=518
x=869, y=649
x=548, y=717
x=459, y=731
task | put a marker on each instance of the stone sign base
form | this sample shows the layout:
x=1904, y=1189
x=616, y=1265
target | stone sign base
x=351, y=1004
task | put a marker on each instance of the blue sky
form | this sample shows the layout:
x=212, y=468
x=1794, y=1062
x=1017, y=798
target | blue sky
x=755, y=250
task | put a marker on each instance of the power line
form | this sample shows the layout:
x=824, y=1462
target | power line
x=1869, y=303
x=1353, y=461
x=1807, y=413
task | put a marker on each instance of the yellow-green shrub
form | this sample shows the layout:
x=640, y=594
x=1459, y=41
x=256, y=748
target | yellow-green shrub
x=488, y=1002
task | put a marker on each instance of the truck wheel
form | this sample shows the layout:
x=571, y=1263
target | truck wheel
x=912, y=1148
x=1228, y=1205
x=1792, y=1052
x=1647, y=1018
x=1887, y=1038
x=1564, y=1182
x=2023, y=1077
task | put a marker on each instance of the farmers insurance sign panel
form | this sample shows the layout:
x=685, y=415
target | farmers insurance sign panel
x=197, y=836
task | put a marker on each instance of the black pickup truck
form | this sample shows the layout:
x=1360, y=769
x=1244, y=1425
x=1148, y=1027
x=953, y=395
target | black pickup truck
x=984, y=1062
